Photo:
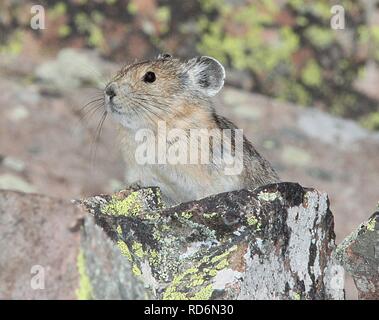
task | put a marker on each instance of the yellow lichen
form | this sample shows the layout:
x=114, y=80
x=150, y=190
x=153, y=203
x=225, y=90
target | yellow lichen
x=153, y=257
x=204, y=294
x=196, y=276
x=311, y=74
x=223, y=255
x=130, y=206
x=212, y=273
x=222, y=264
x=371, y=225
x=186, y=215
x=296, y=296
x=137, y=249
x=136, y=271
x=210, y=215
x=132, y=8
x=84, y=292
x=268, y=196
x=197, y=280
x=124, y=249
x=171, y=294
x=253, y=221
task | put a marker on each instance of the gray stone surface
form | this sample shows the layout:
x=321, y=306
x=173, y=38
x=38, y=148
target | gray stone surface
x=359, y=255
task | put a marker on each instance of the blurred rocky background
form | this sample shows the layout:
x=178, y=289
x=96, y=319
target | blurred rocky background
x=305, y=94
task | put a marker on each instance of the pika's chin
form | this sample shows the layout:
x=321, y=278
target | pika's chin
x=128, y=120
x=114, y=108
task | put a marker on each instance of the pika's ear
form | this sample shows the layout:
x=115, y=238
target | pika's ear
x=206, y=75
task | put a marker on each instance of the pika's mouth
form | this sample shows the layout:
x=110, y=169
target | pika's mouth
x=111, y=106
x=114, y=108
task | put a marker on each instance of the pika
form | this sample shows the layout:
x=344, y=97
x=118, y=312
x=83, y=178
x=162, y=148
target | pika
x=177, y=95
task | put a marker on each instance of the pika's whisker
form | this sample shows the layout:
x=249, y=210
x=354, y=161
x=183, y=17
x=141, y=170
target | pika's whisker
x=90, y=113
x=147, y=109
x=96, y=139
x=88, y=110
x=91, y=102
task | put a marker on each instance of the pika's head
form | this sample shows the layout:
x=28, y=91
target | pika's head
x=162, y=88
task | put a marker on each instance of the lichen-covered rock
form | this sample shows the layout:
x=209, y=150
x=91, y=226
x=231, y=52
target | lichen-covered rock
x=271, y=243
x=103, y=271
x=274, y=242
x=359, y=255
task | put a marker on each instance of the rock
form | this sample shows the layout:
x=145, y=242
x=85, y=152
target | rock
x=366, y=83
x=245, y=112
x=274, y=242
x=359, y=255
x=12, y=182
x=271, y=243
x=43, y=256
x=109, y=275
x=13, y=164
x=38, y=249
x=296, y=156
x=71, y=69
x=338, y=132
x=239, y=79
x=19, y=113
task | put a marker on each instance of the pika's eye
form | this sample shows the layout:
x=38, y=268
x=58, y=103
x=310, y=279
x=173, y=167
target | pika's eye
x=149, y=77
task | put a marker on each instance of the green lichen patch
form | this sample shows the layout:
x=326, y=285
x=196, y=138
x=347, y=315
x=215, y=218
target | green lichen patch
x=136, y=271
x=130, y=206
x=269, y=196
x=154, y=199
x=84, y=292
x=166, y=260
x=153, y=257
x=191, y=277
x=144, y=203
x=196, y=281
x=178, y=246
x=253, y=221
x=371, y=224
x=296, y=296
x=186, y=215
x=137, y=249
x=136, y=254
x=204, y=294
x=124, y=249
x=162, y=258
x=212, y=273
x=154, y=215
x=210, y=215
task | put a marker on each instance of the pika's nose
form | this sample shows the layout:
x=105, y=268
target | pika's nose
x=110, y=91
